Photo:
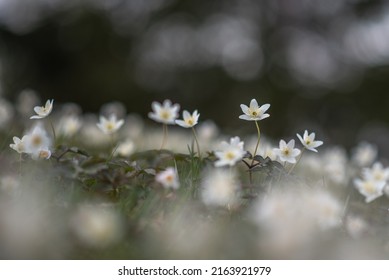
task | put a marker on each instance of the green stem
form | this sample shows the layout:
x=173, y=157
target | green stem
x=197, y=142
x=53, y=130
x=256, y=147
x=165, y=134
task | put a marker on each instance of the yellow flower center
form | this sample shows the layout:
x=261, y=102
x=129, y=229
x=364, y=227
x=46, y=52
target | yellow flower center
x=169, y=178
x=190, y=122
x=230, y=155
x=369, y=187
x=165, y=115
x=37, y=140
x=286, y=152
x=43, y=154
x=110, y=126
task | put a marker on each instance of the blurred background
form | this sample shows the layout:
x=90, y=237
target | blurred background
x=322, y=65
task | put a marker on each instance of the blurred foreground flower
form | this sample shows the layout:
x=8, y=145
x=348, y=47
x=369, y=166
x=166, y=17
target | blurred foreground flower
x=168, y=178
x=219, y=187
x=96, y=226
x=44, y=111
x=19, y=145
x=230, y=153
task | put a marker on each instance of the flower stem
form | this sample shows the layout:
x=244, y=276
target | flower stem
x=298, y=160
x=53, y=130
x=165, y=134
x=256, y=147
x=197, y=142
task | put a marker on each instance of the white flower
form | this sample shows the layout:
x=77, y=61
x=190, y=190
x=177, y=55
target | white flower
x=308, y=141
x=219, y=187
x=96, y=226
x=254, y=112
x=125, y=148
x=376, y=173
x=166, y=113
x=44, y=111
x=19, y=144
x=69, y=125
x=364, y=154
x=230, y=153
x=111, y=125
x=370, y=189
x=189, y=120
x=168, y=178
x=38, y=143
x=287, y=152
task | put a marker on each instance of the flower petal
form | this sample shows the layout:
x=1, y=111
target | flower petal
x=253, y=104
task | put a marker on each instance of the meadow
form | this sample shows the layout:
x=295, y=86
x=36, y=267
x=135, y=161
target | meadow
x=171, y=185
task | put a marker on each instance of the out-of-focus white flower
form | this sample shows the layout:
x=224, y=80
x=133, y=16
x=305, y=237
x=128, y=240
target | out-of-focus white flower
x=44, y=111
x=9, y=183
x=6, y=113
x=335, y=165
x=254, y=112
x=376, y=173
x=168, y=178
x=188, y=119
x=26, y=100
x=364, y=154
x=19, y=144
x=44, y=153
x=287, y=152
x=219, y=187
x=266, y=151
x=230, y=153
x=370, y=189
x=327, y=210
x=356, y=226
x=110, y=125
x=96, y=226
x=37, y=143
x=125, y=148
x=308, y=141
x=166, y=113
x=207, y=130
x=69, y=125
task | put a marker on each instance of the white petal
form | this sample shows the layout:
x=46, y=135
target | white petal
x=264, y=116
x=244, y=108
x=301, y=139
x=245, y=117
x=186, y=115
x=36, y=117
x=182, y=123
x=291, y=144
x=156, y=106
x=282, y=144
x=264, y=107
x=167, y=103
x=253, y=104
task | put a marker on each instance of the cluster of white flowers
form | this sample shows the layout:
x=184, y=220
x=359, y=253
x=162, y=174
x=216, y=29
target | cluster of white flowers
x=36, y=142
x=373, y=182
